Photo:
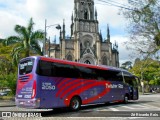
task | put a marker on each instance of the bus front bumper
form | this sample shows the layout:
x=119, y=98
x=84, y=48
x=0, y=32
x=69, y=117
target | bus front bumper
x=28, y=103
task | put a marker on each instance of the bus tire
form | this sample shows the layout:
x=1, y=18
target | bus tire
x=75, y=104
x=125, y=99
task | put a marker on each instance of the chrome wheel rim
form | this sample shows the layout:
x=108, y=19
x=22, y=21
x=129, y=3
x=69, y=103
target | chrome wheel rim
x=75, y=104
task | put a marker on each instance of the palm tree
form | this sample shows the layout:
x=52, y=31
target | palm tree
x=26, y=42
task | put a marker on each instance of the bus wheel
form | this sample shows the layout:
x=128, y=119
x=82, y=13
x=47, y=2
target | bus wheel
x=75, y=104
x=126, y=99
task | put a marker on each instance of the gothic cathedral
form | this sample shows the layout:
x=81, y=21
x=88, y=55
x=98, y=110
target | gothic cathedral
x=85, y=44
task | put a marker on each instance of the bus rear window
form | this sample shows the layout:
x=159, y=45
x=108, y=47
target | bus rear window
x=26, y=66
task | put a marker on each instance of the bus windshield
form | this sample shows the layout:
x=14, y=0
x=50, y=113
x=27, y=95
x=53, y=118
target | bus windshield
x=26, y=66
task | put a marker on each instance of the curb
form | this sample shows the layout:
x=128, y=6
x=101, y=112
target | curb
x=7, y=103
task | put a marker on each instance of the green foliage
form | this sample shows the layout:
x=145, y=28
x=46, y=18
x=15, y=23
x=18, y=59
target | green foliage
x=143, y=26
x=8, y=71
x=148, y=70
x=14, y=48
x=26, y=42
x=5, y=52
x=11, y=82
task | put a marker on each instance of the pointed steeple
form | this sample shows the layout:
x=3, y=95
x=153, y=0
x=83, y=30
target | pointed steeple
x=72, y=24
x=96, y=14
x=72, y=18
x=63, y=29
x=100, y=35
x=55, y=39
x=108, y=33
x=115, y=46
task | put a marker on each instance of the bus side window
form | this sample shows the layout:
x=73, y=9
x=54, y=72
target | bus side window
x=99, y=75
x=53, y=74
x=86, y=73
x=109, y=75
x=64, y=70
x=134, y=81
x=44, y=68
x=130, y=80
x=119, y=77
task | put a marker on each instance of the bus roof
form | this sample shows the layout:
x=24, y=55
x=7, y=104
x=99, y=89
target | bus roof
x=103, y=67
x=71, y=63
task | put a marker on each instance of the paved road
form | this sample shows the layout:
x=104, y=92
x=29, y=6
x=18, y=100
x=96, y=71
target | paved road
x=147, y=107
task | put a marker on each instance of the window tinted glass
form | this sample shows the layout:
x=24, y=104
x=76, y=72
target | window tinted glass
x=109, y=75
x=44, y=68
x=86, y=73
x=64, y=70
x=130, y=80
x=56, y=70
x=26, y=66
x=71, y=71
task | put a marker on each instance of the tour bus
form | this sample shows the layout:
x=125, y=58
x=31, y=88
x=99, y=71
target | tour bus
x=49, y=83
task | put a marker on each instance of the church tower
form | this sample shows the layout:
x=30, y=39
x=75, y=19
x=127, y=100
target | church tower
x=85, y=31
x=86, y=44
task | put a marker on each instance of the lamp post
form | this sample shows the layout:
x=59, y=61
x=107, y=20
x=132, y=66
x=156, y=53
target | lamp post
x=49, y=43
x=45, y=32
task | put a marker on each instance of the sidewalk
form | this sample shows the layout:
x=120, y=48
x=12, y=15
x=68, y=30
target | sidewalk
x=7, y=103
x=149, y=93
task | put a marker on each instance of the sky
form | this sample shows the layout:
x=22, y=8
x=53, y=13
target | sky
x=13, y=12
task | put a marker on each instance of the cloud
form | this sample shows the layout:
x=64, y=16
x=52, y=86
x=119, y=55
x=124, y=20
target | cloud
x=8, y=22
x=14, y=12
x=109, y=15
x=11, y=13
x=51, y=10
x=54, y=12
x=124, y=54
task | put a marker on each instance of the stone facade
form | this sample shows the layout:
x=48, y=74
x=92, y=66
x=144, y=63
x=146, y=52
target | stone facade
x=85, y=44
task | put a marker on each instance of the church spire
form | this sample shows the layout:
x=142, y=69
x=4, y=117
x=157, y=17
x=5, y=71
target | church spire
x=55, y=39
x=100, y=35
x=63, y=29
x=72, y=18
x=96, y=14
x=72, y=24
x=108, y=33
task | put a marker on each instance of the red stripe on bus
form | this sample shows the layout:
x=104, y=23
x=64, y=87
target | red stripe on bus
x=78, y=91
x=67, y=85
x=100, y=95
x=63, y=81
x=75, y=86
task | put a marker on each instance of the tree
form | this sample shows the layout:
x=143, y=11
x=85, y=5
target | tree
x=148, y=71
x=5, y=60
x=26, y=42
x=127, y=65
x=143, y=26
x=8, y=72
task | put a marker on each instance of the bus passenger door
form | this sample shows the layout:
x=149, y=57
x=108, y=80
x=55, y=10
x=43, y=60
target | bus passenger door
x=136, y=82
x=133, y=87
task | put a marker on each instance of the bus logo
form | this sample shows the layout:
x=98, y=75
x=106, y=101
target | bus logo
x=48, y=86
